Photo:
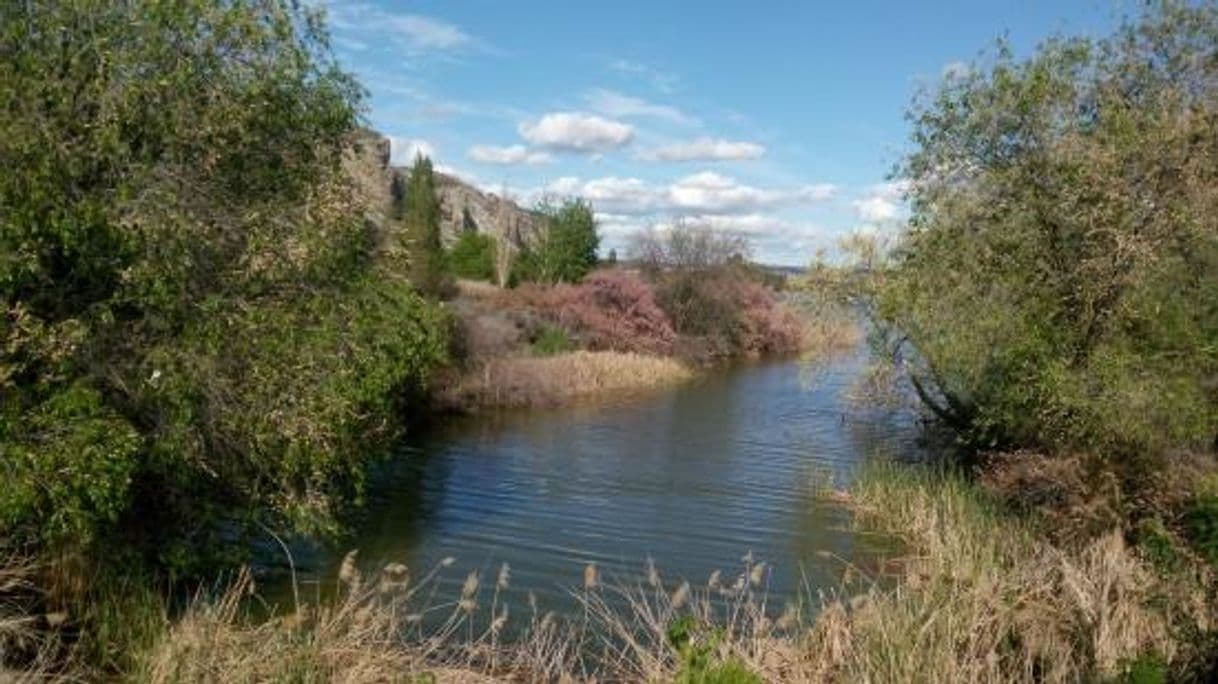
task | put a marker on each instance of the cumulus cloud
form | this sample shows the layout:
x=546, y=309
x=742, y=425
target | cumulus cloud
x=706, y=149
x=577, y=132
x=402, y=151
x=883, y=203
x=701, y=193
x=615, y=104
x=509, y=155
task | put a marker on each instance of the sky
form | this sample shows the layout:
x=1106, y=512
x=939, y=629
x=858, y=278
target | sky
x=779, y=120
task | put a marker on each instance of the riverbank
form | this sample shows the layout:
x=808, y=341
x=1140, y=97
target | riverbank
x=547, y=345
x=978, y=594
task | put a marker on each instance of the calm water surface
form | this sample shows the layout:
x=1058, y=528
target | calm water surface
x=694, y=477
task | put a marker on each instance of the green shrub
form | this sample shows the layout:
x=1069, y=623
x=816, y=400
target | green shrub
x=1148, y=668
x=696, y=646
x=552, y=340
x=1201, y=526
x=473, y=257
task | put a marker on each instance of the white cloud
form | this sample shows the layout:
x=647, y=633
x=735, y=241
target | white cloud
x=415, y=33
x=511, y=154
x=426, y=32
x=660, y=80
x=883, y=203
x=876, y=209
x=402, y=151
x=706, y=149
x=615, y=104
x=701, y=193
x=577, y=132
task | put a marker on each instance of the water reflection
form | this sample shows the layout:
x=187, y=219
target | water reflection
x=694, y=478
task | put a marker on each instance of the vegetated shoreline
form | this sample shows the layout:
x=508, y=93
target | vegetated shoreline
x=549, y=346
x=978, y=593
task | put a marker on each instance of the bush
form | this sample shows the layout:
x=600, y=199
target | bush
x=734, y=314
x=473, y=257
x=610, y=310
x=551, y=341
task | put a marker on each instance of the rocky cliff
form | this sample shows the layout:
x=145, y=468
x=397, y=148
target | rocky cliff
x=463, y=207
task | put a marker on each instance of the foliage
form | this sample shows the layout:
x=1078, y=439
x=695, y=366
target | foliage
x=567, y=248
x=473, y=257
x=552, y=340
x=1056, y=285
x=687, y=246
x=1201, y=525
x=417, y=206
x=696, y=647
x=194, y=326
x=712, y=294
x=609, y=310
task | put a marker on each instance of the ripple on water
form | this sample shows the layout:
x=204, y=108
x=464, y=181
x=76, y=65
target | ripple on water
x=693, y=478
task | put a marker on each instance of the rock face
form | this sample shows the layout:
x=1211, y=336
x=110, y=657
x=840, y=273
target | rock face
x=466, y=208
x=462, y=206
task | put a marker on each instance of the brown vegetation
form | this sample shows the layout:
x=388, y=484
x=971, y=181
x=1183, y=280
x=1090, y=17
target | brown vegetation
x=977, y=596
x=549, y=381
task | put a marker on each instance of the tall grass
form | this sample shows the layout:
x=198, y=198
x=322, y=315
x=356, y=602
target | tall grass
x=974, y=596
x=553, y=380
x=984, y=597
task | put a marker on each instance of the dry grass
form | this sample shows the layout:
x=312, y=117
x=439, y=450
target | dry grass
x=983, y=597
x=479, y=290
x=28, y=642
x=977, y=596
x=555, y=380
x=384, y=629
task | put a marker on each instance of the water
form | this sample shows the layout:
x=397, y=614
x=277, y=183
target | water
x=694, y=477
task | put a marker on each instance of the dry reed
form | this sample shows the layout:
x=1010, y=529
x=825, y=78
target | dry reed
x=550, y=381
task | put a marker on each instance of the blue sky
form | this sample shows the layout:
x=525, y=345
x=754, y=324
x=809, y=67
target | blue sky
x=781, y=120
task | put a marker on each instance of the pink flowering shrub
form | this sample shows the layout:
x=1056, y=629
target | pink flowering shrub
x=768, y=326
x=610, y=310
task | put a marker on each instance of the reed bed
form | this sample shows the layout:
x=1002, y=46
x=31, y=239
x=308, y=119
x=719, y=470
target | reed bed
x=553, y=380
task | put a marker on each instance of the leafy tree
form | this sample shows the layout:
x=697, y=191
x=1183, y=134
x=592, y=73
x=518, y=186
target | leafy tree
x=1057, y=283
x=567, y=250
x=419, y=211
x=193, y=324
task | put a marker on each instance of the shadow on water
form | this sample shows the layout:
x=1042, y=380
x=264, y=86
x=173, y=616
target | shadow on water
x=694, y=477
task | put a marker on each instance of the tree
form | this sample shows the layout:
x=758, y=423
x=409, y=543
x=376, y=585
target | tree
x=1055, y=287
x=194, y=329
x=419, y=210
x=566, y=251
x=687, y=245
x=473, y=256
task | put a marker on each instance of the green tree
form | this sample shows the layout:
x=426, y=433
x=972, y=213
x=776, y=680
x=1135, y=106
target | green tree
x=566, y=251
x=1056, y=285
x=193, y=324
x=473, y=256
x=419, y=211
